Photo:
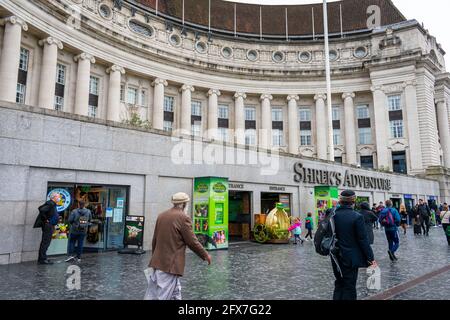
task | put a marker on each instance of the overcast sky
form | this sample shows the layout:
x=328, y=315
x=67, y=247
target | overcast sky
x=433, y=13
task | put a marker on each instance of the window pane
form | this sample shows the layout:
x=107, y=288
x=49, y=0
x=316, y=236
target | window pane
x=223, y=134
x=336, y=113
x=277, y=138
x=305, y=137
x=363, y=112
x=396, y=129
x=365, y=136
x=24, y=58
x=132, y=95
x=61, y=74
x=168, y=103
x=277, y=114
x=122, y=92
x=305, y=114
x=367, y=162
x=394, y=103
x=250, y=114
x=337, y=136
x=196, y=130
x=59, y=103
x=250, y=137
x=196, y=108
x=223, y=112
x=168, y=126
x=92, y=111
x=143, y=97
x=20, y=93
x=93, y=86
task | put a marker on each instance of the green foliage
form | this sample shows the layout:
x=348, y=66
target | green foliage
x=136, y=121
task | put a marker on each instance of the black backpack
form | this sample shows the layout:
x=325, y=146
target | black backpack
x=325, y=237
x=325, y=240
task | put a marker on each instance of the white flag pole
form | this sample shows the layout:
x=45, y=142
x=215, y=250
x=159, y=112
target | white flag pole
x=328, y=79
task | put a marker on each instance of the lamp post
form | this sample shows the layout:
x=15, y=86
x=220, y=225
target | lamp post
x=328, y=80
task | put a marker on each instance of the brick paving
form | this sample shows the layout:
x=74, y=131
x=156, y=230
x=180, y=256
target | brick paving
x=246, y=271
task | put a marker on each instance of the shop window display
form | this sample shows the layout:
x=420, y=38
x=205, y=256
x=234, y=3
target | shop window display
x=108, y=206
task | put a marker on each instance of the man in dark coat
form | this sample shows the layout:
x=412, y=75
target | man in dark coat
x=369, y=219
x=354, y=248
x=424, y=215
x=46, y=220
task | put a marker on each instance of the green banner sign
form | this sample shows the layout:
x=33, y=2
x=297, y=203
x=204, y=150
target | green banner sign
x=211, y=211
x=324, y=197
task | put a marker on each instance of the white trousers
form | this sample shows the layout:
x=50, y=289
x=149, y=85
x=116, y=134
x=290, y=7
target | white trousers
x=162, y=285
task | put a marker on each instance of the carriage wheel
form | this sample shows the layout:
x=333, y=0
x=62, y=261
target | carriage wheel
x=261, y=233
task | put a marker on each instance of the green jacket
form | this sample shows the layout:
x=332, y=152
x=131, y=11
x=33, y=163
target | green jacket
x=309, y=225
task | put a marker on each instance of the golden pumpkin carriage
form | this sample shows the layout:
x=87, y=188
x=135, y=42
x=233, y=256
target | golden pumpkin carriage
x=272, y=228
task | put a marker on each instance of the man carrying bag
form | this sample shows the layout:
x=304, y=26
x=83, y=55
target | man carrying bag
x=46, y=220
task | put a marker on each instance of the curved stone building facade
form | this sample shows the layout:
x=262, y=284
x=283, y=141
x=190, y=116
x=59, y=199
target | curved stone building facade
x=246, y=77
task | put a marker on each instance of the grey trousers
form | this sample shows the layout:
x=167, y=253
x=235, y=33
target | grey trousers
x=162, y=285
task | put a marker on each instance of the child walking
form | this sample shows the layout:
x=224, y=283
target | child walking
x=297, y=228
x=309, y=225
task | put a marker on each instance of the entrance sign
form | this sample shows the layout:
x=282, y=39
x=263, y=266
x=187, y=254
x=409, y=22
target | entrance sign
x=211, y=211
x=333, y=178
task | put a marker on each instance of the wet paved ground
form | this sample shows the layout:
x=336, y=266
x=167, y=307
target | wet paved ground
x=245, y=271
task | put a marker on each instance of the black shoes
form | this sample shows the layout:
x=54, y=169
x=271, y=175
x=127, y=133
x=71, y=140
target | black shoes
x=45, y=262
x=391, y=255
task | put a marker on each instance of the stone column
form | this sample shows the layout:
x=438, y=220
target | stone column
x=412, y=123
x=82, y=87
x=158, y=103
x=444, y=131
x=115, y=76
x=48, y=72
x=266, y=122
x=239, y=117
x=293, y=124
x=381, y=127
x=213, y=96
x=350, y=131
x=321, y=126
x=10, y=57
x=186, y=96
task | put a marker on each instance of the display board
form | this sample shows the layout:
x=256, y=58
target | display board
x=210, y=210
x=323, y=198
x=134, y=231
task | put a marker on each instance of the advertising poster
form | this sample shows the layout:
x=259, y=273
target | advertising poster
x=134, y=231
x=118, y=215
x=210, y=216
x=324, y=197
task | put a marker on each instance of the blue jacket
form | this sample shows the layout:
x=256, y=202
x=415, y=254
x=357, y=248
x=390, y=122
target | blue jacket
x=353, y=242
x=395, y=215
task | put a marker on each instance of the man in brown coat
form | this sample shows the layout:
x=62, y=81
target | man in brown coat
x=173, y=232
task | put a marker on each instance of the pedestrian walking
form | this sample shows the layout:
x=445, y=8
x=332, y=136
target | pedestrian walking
x=309, y=225
x=390, y=220
x=296, y=228
x=47, y=219
x=424, y=215
x=369, y=219
x=403, y=218
x=353, y=246
x=374, y=210
x=79, y=221
x=173, y=232
x=445, y=218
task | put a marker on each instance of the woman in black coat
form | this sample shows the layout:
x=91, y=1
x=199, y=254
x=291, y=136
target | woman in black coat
x=369, y=219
